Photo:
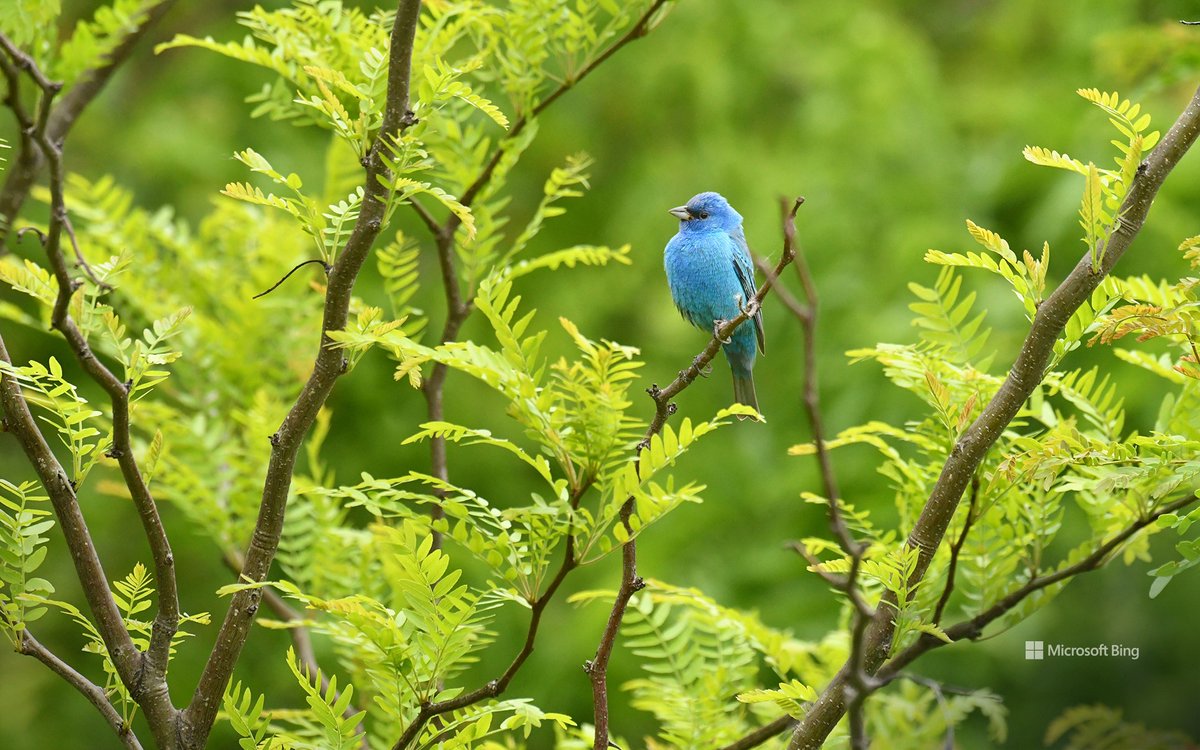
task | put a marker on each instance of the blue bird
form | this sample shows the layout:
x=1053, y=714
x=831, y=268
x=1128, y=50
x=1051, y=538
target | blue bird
x=711, y=277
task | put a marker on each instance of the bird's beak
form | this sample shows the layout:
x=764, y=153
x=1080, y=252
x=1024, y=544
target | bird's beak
x=681, y=213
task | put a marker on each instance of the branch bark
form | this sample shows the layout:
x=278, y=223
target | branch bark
x=1026, y=373
x=30, y=646
x=329, y=365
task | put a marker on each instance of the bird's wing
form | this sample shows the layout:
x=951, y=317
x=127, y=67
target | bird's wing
x=743, y=267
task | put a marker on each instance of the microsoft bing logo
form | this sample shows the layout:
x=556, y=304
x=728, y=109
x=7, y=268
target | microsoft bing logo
x=1040, y=650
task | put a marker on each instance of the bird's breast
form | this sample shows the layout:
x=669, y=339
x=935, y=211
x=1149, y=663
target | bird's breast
x=701, y=277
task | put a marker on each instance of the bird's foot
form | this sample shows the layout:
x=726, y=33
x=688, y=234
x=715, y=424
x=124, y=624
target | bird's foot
x=717, y=326
x=704, y=368
x=749, y=309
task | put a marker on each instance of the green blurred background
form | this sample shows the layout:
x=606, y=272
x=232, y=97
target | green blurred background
x=897, y=120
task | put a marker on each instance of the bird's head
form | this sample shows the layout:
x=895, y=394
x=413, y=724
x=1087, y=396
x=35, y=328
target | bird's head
x=707, y=212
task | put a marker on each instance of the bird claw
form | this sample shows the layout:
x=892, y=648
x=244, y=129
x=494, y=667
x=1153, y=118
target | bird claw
x=703, y=368
x=750, y=309
x=717, y=326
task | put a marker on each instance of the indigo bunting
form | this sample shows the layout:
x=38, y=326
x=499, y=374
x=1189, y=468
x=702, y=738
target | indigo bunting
x=711, y=277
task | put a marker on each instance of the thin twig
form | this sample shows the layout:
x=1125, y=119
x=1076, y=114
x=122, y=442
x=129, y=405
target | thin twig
x=762, y=734
x=295, y=268
x=859, y=682
x=597, y=667
x=639, y=29
x=425, y=216
x=30, y=646
x=81, y=262
x=955, y=551
x=497, y=686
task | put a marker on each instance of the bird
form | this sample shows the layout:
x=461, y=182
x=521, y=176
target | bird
x=711, y=278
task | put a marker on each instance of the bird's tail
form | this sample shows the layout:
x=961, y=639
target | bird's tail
x=743, y=390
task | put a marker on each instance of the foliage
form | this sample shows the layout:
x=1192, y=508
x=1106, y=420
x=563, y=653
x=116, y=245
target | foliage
x=401, y=621
x=23, y=527
x=1100, y=727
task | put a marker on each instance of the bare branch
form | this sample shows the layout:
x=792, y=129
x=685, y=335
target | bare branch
x=426, y=217
x=763, y=734
x=294, y=269
x=327, y=368
x=955, y=551
x=30, y=646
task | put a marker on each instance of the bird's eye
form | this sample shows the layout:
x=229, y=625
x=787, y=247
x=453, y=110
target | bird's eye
x=704, y=214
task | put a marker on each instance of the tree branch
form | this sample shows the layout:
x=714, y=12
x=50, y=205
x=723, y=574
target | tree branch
x=70, y=106
x=30, y=646
x=972, y=628
x=147, y=684
x=20, y=423
x=860, y=681
x=1026, y=373
x=597, y=667
x=499, y=685
x=763, y=734
x=327, y=368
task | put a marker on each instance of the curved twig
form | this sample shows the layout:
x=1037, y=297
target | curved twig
x=295, y=268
